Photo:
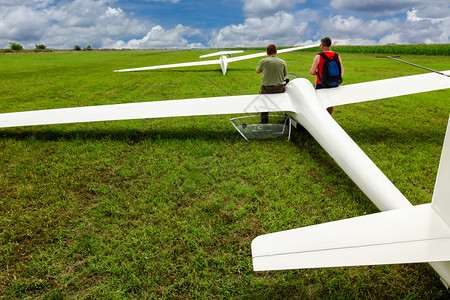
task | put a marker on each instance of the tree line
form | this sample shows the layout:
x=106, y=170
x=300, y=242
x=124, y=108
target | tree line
x=13, y=46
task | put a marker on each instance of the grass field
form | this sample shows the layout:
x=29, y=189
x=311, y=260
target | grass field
x=168, y=207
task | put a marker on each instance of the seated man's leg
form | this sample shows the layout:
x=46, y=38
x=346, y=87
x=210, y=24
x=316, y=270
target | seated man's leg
x=269, y=90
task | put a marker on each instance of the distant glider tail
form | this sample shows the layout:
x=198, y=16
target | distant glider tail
x=407, y=235
x=224, y=64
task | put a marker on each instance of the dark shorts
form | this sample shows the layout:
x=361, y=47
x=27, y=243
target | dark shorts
x=272, y=89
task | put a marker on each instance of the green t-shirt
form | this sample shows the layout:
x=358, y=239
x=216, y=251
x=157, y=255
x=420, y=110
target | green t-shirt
x=273, y=70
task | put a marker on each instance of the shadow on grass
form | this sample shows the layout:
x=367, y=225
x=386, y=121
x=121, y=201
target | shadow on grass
x=299, y=137
x=121, y=135
x=381, y=134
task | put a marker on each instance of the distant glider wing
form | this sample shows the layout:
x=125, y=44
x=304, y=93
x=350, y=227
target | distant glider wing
x=386, y=88
x=155, y=109
x=180, y=65
x=416, y=234
x=249, y=56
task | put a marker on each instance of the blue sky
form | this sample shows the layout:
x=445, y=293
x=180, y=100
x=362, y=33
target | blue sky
x=144, y=24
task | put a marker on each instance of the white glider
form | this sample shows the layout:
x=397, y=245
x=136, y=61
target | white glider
x=222, y=61
x=400, y=234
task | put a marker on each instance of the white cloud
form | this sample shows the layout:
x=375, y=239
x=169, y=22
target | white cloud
x=262, y=8
x=374, y=6
x=21, y=24
x=416, y=29
x=429, y=8
x=158, y=37
x=424, y=25
x=28, y=3
x=413, y=17
x=351, y=27
x=61, y=24
x=66, y=24
x=282, y=29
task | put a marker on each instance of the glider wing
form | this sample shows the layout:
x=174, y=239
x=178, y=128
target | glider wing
x=155, y=109
x=416, y=234
x=373, y=90
x=180, y=65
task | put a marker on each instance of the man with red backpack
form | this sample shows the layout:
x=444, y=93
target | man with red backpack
x=328, y=67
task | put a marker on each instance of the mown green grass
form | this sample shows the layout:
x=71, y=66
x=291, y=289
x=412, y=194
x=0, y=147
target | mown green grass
x=168, y=207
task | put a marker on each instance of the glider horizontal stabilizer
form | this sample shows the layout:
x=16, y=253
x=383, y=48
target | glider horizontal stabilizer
x=416, y=234
x=222, y=53
x=155, y=109
x=386, y=88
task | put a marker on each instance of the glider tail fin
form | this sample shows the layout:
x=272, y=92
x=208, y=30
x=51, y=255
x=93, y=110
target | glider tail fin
x=441, y=195
x=441, y=202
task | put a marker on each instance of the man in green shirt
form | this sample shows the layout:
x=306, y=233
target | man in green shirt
x=273, y=71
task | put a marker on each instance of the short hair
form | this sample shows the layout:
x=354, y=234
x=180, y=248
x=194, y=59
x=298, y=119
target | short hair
x=271, y=49
x=326, y=41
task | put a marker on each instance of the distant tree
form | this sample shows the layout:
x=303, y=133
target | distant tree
x=88, y=48
x=77, y=48
x=14, y=46
x=41, y=47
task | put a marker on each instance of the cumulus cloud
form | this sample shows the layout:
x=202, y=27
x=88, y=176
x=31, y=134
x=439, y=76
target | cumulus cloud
x=158, y=37
x=262, y=8
x=429, y=8
x=373, y=6
x=281, y=29
x=28, y=3
x=413, y=17
x=351, y=26
x=21, y=24
x=424, y=24
x=426, y=29
x=419, y=29
x=62, y=25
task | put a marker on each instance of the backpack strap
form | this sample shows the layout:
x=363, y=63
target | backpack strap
x=336, y=56
x=324, y=56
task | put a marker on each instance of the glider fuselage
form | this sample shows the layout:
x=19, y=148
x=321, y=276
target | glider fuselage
x=311, y=114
